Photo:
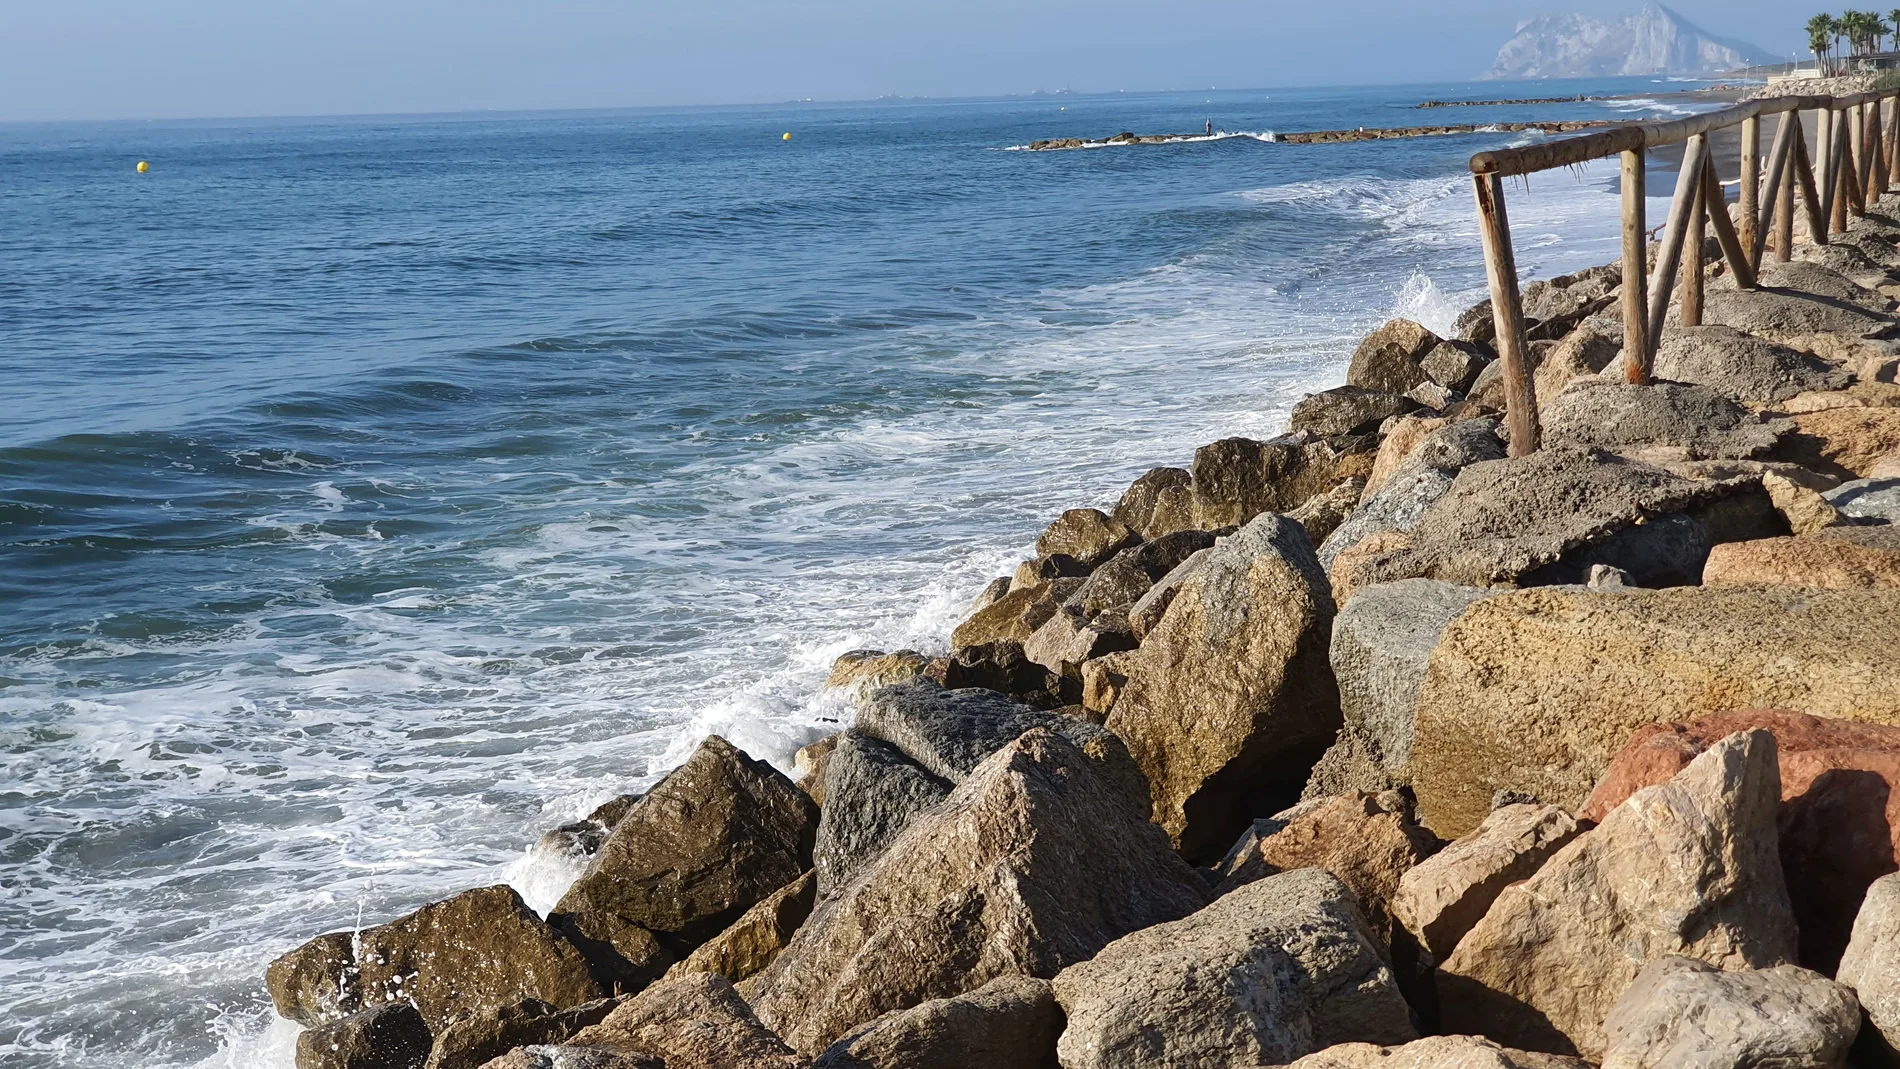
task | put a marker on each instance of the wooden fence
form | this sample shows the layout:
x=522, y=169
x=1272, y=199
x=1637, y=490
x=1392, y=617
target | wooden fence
x=1858, y=139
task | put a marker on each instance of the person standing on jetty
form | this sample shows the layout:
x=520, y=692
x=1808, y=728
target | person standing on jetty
x=1210, y=128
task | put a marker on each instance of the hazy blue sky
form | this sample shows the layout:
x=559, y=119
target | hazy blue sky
x=171, y=58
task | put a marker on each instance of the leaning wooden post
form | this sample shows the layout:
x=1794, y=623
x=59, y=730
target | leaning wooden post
x=1836, y=193
x=1824, y=177
x=1779, y=172
x=1507, y=315
x=1876, y=152
x=1691, y=295
x=1635, y=266
x=1688, y=189
x=1738, y=255
x=1890, y=142
x=1817, y=208
x=1751, y=182
x=1784, y=204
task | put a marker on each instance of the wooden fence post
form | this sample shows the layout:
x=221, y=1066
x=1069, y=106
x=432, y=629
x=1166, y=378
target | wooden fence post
x=1810, y=195
x=1688, y=189
x=1635, y=264
x=1779, y=172
x=1507, y=315
x=1784, y=201
x=1751, y=184
x=1693, y=241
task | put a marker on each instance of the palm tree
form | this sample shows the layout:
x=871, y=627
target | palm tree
x=1820, y=32
x=1894, y=28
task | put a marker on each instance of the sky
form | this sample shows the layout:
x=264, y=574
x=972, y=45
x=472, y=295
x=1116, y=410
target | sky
x=127, y=59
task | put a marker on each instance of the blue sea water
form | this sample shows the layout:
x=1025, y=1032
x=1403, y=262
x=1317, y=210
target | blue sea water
x=377, y=493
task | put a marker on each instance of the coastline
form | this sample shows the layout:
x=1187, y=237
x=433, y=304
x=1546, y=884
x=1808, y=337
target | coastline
x=1388, y=509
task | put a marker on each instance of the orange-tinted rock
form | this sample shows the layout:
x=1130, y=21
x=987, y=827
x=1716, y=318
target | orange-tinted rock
x=1839, y=820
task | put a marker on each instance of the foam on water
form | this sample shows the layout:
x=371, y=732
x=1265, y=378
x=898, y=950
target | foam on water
x=416, y=696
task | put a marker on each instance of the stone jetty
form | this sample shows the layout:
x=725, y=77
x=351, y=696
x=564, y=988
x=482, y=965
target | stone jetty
x=1364, y=745
x=1326, y=137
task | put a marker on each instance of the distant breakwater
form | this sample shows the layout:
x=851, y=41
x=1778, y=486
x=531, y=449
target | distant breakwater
x=1321, y=137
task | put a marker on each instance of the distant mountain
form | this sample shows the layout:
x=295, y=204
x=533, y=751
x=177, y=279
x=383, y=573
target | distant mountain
x=1655, y=41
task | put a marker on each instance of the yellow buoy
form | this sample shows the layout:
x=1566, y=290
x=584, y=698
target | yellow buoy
x=144, y=167
x=787, y=137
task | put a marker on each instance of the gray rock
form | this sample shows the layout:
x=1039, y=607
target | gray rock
x=1871, y=965
x=1523, y=520
x=1151, y=497
x=1680, y=1013
x=1850, y=261
x=1867, y=500
x=1455, y=364
x=1815, y=280
x=1622, y=416
x=950, y=732
x=1398, y=506
x=1476, y=324
x=390, y=1036
x=1382, y=639
x=470, y=1042
x=1348, y=410
x=1090, y=536
x=1780, y=310
x=1323, y=513
x=1002, y=666
x=1236, y=479
x=542, y=1056
x=872, y=792
x=1009, y=1023
x=1275, y=970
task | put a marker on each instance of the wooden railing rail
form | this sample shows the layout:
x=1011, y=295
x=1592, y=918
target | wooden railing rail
x=1854, y=162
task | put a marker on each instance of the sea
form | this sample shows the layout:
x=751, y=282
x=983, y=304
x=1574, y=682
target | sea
x=377, y=493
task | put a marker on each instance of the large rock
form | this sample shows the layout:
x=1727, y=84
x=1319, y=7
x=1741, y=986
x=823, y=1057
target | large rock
x=1156, y=504
x=752, y=941
x=1782, y=313
x=1436, y=1052
x=1686, y=868
x=1037, y=860
x=1742, y=367
x=1382, y=640
x=1122, y=581
x=1001, y=666
x=1624, y=417
x=1323, y=513
x=1088, y=535
x=1535, y=691
x=1069, y=638
x=480, y=948
x=707, y=843
x=1369, y=841
x=949, y=732
x=1816, y=560
x=1347, y=410
x=1009, y=1023
x=1016, y=615
x=561, y=1057
x=1229, y=696
x=1547, y=517
x=1444, y=896
x=1383, y=520
x=870, y=669
x=1686, y=1014
x=1455, y=364
x=1844, y=441
x=872, y=792
x=1275, y=970
x=1867, y=500
x=1582, y=354
x=1146, y=613
x=472, y=1041
x=1871, y=966
x=1236, y=479
x=390, y=1036
x=1840, y=814
x=694, y=1020
x=1389, y=358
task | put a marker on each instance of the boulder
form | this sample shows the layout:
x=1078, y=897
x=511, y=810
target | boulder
x=870, y=669
x=1695, y=420
x=1382, y=640
x=694, y=1020
x=1535, y=691
x=950, y=732
x=1090, y=536
x=1686, y=1014
x=1436, y=1052
x=1369, y=841
x=809, y=763
x=1445, y=895
x=1867, y=500
x=752, y=941
x=1273, y=971
x=563, y=1057
x=1102, y=680
x=1871, y=965
x=471, y=1042
x=1476, y=324
x=1547, y=517
x=1347, y=410
x=1236, y=479
x=1038, y=570
x=1155, y=504
x=1816, y=280
x=1686, y=868
x=390, y=1036
x=1815, y=560
x=1009, y=1023
x=1229, y=698
x=1581, y=354
x=582, y=839
x=1016, y=615
x=991, y=593
x=1323, y=513
x=1395, y=509
x=1389, y=358
x=1847, y=442
x=874, y=792
x=1455, y=364
x=1115, y=585
x=1004, y=667
x=1839, y=819
x=710, y=841
x=1742, y=367
x=1062, y=644
x=1401, y=438
x=1038, y=859
x=1146, y=612
x=480, y=948
x=1780, y=312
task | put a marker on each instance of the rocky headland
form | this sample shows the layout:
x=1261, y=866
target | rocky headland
x=1366, y=745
